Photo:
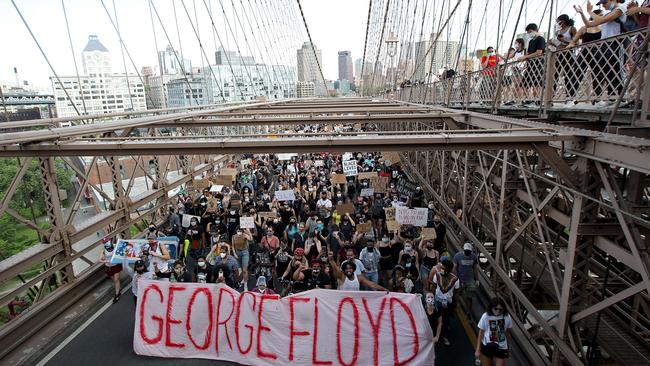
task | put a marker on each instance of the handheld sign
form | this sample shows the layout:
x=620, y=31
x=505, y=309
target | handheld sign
x=285, y=195
x=247, y=222
x=350, y=168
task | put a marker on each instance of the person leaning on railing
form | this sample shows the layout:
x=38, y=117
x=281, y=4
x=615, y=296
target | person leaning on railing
x=534, y=73
x=611, y=23
x=586, y=56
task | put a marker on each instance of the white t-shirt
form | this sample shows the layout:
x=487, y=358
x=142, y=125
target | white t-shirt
x=495, y=329
x=327, y=204
x=360, y=268
x=613, y=28
x=445, y=297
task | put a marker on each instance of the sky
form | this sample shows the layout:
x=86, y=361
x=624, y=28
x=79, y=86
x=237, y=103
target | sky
x=335, y=25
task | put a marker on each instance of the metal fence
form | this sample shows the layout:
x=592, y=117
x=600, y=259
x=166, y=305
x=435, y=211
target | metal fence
x=591, y=74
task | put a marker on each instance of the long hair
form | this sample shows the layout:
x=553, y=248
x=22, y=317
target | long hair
x=493, y=303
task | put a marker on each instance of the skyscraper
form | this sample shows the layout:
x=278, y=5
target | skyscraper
x=170, y=65
x=96, y=59
x=358, y=65
x=345, y=66
x=308, y=67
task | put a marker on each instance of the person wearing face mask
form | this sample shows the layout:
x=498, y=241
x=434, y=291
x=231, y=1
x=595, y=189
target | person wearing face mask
x=409, y=255
x=346, y=228
x=232, y=221
x=313, y=277
x=467, y=270
x=494, y=334
x=430, y=257
x=533, y=76
x=445, y=287
x=204, y=272
x=418, y=197
x=240, y=242
x=369, y=256
x=385, y=260
x=112, y=270
x=324, y=206
x=157, y=255
x=196, y=236
x=350, y=257
x=348, y=279
x=261, y=287
x=487, y=86
x=178, y=274
x=270, y=242
x=441, y=232
x=138, y=273
x=433, y=315
x=226, y=268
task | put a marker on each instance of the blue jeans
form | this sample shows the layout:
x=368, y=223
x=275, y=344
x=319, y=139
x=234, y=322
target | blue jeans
x=372, y=276
x=243, y=257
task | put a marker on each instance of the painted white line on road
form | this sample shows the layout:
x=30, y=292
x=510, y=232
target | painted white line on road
x=83, y=326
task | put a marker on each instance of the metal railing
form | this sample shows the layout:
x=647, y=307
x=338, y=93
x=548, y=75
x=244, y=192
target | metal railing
x=593, y=73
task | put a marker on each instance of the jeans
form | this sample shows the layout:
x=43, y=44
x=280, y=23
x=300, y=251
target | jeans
x=243, y=257
x=372, y=276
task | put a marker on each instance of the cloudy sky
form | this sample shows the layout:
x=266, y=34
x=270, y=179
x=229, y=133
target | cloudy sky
x=335, y=25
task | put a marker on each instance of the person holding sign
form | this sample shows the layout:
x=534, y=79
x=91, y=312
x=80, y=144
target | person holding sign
x=324, y=206
x=347, y=279
x=112, y=270
x=138, y=272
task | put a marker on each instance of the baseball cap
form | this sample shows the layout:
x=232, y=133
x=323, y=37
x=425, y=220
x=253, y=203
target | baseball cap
x=139, y=263
x=300, y=251
x=601, y=2
x=468, y=246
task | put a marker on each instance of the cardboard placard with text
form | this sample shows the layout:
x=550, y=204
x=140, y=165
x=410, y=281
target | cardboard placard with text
x=366, y=227
x=390, y=213
x=200, y=184
x=392, y=226
x=345, y=208
x=338, y=179
x=367, y=175
x=391, y=156
x=223, y=180
x=429, y=233
x=228, y=171
x=380, y=184
x=247, y=222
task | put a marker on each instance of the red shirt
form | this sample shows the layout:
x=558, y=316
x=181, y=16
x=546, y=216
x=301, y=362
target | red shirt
x=491, y=63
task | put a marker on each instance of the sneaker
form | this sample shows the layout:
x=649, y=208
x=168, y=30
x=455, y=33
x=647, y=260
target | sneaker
x=570, y=103
x=116, y=298
x=446, y=342
x=603, y=104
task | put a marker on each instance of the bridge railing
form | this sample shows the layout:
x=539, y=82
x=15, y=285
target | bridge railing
x=586, y=74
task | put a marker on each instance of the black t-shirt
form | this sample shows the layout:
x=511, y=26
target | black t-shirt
x=311, y=281
x=433, y=320
x=227, y=273
x=184, y=277
x=204, y=275
x=535, y=44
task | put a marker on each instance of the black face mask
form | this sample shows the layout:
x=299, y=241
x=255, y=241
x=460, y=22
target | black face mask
x=371, y=249
x=140, y=271
x=468, y=252
x=152, y=229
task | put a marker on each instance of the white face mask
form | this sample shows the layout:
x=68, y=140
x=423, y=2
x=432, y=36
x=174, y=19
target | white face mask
x=201, y=264
x=222, y=255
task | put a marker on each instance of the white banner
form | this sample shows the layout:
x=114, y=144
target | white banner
x=367, y=192
x=326, y=327
x=411, y=216
x=247, y=222
x=286, y=156
x=350, y=167
x=286, y=195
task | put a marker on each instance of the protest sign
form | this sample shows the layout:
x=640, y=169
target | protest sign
x=345, y=208
x=411, y=216
x=350, y=168
x=392, y=225
x=396, y=204
x=213, y=205
x=366, y=227
x=405, y=187
x=367, y=175
x=291, y=168
x=380, y=184
x=286, y=156
x=229, y=171
x=390, y=213
x=247, y=222
x=200, y=184
x=267, y=215
x=216, y=188
x=187, y=218
x=429, y=233
x=391, y=157
x=223, y=180
x=286, y=195
x=245, y=162
x=338, y=179
x=307, y=163
x=318, y=163
x=367, y=192
x=346, y=156
x=132, y=248
x=317, y=327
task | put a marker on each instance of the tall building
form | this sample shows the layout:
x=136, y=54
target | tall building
x=358, y=65
x=99, y=90
x=184, y=92
x=444, y=53
x=308, y=67
x=345, y=66
x=422, y=59
x=223, y=57
x=305, y=89
x=268, y=81
x=170, y=60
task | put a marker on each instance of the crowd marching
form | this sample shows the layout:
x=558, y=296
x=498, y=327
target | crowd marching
x=290, y=223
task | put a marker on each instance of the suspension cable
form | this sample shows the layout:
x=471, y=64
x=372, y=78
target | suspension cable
x=74, y=59
x=320, y=70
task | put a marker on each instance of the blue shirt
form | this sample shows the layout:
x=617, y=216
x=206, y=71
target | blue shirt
x=465, y=266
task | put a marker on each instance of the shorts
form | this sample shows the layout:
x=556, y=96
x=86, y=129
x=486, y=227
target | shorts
x=494, y=352
x=243, y=257
x=112, y=270
x=533, y=77
x=468, y=289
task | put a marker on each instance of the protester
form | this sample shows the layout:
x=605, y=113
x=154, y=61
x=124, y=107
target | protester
x=138, y=273
x=494, y=334
x=112, y=269
x=446, y=286
x=467, y=270
x=534, y=73
x=433, y=315
x=348, y=280
x=261, y=287
x=178, y=274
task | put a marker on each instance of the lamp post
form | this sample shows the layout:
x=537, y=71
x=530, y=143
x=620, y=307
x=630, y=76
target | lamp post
x=391, y=47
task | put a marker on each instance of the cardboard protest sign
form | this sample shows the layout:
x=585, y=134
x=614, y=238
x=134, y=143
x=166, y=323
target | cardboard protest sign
x=229, y=171
x=286, y=195
x=367, y=192
x=405, y=187
x=187, y=218
x=380, y=184
x=213, y=206
x=267, y=215
x=345, y=208
x=411, y=216
x=338, y=179
x=428, y=233
x=391, y=157
x=367, y=175
x=132, y=248
x=350, y=168
x=223, y=180
x=328, y=327
x=392, y=225
x=318, y=163
x=390, y=213
x=247, y=222
x=200, y=184
x=366, y=227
